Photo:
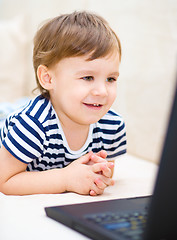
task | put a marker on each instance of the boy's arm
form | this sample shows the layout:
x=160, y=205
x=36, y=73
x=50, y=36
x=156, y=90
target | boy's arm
x=76, y=177
x=15, y=180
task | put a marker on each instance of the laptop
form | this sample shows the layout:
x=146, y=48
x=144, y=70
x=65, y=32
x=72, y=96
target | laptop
x=147, y=218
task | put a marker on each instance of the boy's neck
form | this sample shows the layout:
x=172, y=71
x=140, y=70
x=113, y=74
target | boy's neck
x=76, y=135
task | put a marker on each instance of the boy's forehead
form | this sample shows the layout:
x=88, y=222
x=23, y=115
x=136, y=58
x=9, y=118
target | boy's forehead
x=81, y=64
x=86, y=59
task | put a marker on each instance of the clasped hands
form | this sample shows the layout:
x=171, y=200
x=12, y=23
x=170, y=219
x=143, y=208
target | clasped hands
x=90, y=174
x=103, y=167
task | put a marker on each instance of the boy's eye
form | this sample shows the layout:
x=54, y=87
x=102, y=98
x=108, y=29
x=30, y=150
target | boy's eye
x=111, y=79
x=88, y=78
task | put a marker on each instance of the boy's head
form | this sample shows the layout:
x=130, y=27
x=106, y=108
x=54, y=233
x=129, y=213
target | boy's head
x=71, y=35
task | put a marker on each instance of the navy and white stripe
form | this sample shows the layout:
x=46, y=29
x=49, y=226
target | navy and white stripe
x=34, y=136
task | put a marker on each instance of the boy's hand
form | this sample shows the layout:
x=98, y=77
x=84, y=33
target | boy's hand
x=97, y=157
x=106, y=169
x=84, y=179
x=101, y=157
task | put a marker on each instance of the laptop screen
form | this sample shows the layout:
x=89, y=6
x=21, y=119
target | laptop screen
x=162, y=218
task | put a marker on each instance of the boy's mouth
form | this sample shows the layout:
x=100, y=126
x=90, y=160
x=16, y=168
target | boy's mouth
x=93, y=105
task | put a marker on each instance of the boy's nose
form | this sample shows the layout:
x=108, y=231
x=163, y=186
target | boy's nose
x=99, y=89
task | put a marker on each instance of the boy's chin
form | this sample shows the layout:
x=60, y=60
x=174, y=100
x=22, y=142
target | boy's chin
x=92, y=120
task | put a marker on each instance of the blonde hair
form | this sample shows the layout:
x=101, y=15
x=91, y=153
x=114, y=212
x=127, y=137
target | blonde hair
x=70, y=35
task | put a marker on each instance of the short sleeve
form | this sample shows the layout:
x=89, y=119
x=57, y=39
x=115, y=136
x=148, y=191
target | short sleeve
x=24, y=138
x=118, y=144
x=113, y=134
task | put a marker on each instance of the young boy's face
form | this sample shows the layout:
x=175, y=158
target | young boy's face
x=83, y=91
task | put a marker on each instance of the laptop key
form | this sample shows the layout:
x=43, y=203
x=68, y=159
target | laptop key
x=115, y=226
x=129, y=225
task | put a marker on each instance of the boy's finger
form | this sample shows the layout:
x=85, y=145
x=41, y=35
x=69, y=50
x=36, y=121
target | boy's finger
x=107, y=181
x=92, y=193
x=105, y=168
x=102, y=154
x=97, y=167
x=100, y=184
x=111, y=164
x=95, y=158
x=95, y=190
x=86, y=158
x=106, y=171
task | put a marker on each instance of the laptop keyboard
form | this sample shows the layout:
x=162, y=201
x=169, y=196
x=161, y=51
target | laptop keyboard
x=127, y=225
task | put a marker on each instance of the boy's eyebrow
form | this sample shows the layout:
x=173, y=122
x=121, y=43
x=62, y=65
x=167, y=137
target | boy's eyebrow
x=85, y=71
x=115, y=73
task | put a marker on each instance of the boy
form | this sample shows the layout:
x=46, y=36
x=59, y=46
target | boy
x=60, y=140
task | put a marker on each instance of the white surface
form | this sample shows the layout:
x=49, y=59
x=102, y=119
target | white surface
x=23, y=217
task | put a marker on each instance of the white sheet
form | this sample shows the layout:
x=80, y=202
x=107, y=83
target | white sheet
x=23, y=217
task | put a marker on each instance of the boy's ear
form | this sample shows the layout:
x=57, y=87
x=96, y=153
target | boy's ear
x=44, y=77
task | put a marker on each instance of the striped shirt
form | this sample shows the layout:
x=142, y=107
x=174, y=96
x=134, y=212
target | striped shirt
x=34, y=136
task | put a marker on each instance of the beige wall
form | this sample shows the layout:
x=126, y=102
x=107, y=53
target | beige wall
x=148, y=32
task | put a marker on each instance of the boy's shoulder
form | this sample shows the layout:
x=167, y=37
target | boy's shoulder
x=36, y=106
x=38, y=109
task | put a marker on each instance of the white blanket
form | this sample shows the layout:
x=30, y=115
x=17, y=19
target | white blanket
x=23, y=217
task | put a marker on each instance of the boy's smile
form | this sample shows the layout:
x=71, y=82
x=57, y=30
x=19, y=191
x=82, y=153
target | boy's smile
x=83, y=91
x=95, y=106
